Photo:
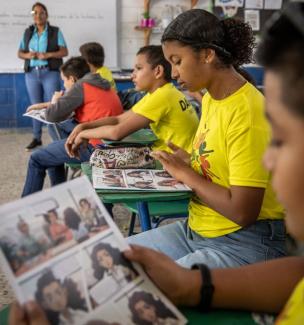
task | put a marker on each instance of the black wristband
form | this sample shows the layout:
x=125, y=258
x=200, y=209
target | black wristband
x=207, y=288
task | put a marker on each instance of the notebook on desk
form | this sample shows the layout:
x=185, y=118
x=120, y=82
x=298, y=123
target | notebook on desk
x=143, y=136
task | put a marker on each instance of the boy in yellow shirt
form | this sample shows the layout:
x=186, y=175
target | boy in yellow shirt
x=164, y=108
x=93, y=53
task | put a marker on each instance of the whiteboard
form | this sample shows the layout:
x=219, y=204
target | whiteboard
x=80, y=21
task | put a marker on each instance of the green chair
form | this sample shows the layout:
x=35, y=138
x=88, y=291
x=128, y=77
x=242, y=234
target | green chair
x=159, y=211
x=72, y=170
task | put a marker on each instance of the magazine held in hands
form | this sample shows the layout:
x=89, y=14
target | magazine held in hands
x=38, y=115
x=136, y=179
x=61, y=248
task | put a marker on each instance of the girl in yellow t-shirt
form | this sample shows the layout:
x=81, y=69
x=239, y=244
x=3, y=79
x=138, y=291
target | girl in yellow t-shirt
x=164, y=109
x=234, y=217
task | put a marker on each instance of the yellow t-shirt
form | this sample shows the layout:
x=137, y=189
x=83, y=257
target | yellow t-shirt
x=173, y=117
x=293, y=312
x=227, y=150
x=107, y=74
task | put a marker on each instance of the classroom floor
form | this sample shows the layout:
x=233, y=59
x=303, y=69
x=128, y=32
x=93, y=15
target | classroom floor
x=13, y=163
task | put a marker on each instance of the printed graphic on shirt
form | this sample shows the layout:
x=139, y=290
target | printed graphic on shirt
x=199, y=157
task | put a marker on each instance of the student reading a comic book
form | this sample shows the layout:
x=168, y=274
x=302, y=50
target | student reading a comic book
x=108, y=261
x=61, y=301
x=79, y=99
x=164, y=109
x=234, y=217
x=147, y=310
x=90, y=98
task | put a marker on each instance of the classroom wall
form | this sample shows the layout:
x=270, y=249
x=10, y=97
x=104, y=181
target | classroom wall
x=13, y=95
x=131, y=40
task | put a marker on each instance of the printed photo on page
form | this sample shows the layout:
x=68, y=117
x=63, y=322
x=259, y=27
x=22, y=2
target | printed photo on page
x=61, y=248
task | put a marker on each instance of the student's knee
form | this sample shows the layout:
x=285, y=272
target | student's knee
x=212, y=258
x=35, y=158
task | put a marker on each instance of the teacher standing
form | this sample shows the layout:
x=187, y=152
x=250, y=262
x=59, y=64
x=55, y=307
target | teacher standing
x=42, y=48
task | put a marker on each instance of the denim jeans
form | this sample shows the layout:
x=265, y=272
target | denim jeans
x=41, y=85
x=62, y=129
x=262, y=241
x=51, y=158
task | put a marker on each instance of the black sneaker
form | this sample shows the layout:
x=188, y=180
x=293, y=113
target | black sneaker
x=35, y=143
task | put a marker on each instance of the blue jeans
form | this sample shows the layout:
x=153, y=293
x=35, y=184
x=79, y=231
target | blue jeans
x=262, y=241
x=62, y=129
x=51, y=158
x=41, y=85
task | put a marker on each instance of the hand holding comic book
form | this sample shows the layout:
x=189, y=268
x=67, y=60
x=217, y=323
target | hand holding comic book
x=37, y=114
x=83, y=277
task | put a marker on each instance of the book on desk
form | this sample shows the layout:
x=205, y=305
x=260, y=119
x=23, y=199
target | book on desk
x=156, y=180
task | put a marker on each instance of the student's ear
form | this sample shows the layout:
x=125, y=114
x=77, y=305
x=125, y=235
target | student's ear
x=207, y=56
x=159, y=72
x=72, y=79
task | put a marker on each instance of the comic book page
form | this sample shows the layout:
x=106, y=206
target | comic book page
x=61, y=248
x=38, y=115
x=136, y=179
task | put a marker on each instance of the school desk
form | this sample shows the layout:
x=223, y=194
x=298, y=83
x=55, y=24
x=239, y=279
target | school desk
x=194, y=317
x=140, y=198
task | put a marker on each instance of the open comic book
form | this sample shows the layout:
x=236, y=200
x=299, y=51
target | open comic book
x=61, y=248
x=136, y=179
x=38, y=115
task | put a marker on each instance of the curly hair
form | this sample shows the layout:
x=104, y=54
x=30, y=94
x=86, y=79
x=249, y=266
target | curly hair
x=116, y=255
x=155, y=57
x=71, y=218
x=160, y=308
x=231, y=39
x=281, y=50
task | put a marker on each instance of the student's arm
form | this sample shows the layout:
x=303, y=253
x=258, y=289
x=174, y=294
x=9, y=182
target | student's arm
x=112, y=120
x=131, y=123
x=65, y=105
x=124, y=125
x=262, y=286
x=241, y=204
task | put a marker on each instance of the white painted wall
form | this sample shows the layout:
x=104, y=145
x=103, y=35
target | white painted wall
x=130, y=40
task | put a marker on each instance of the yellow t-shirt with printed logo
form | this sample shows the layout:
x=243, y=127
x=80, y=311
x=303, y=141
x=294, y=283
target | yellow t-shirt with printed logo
x=106, y=73
x=227, y=150
x=293, y=312
x=173, y=118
